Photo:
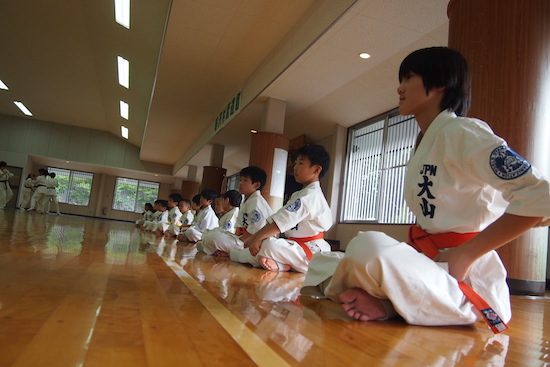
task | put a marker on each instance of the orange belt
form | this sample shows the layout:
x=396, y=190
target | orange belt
x=239, y=231
x=302, y=242
x=430, y=244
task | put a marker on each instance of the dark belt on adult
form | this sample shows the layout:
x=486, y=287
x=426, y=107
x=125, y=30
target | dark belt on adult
x=430, y=244
x=303, y=240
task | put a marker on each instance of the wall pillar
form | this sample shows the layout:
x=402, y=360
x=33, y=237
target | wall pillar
x=507, y=43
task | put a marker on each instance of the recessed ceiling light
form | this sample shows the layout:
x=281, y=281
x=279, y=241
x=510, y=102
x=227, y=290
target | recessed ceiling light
x=124, y=131
x=3, y=86
x=253, y=131
x=22, y=107
x=124, y=109
x=122, y=12
x=123, y=71
x=364, y=55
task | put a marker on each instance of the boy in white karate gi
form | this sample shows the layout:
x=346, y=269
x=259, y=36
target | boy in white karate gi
x=230, y=203
x=147, y=215
x=161, y=216
x=206, y=218
x=303, y=220
x=470, y=193
x=171, y=229
x=253, y=213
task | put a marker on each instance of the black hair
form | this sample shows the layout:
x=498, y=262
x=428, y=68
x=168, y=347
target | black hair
x=158, y=201
x=235, y=197
x=317, y=154
x=148, y=206
x=187, y=201
x=209, y=194
x=3, y=164
x=163, y=203
x=441, y=67
x=176, y=198
x=52, y=174
x=256, y=174
x=197, y=199
x=43, y=171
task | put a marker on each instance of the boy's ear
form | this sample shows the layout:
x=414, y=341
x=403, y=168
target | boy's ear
x=318, y=169
x=256, y=185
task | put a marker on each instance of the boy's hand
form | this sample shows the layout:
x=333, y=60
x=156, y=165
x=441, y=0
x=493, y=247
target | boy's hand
x=255, y=248
x=458, y=260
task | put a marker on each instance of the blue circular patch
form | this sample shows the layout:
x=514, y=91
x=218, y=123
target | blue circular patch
x=256, y=217
x=227, y=226
x=294, y=206
x=507, y=164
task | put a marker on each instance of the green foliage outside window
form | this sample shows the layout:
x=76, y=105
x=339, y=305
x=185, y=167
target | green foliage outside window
x=131, y=195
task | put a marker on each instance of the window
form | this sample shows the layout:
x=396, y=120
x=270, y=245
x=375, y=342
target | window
x=131, y=195
x=74, y=188
x=378, y=150
x=232, y=182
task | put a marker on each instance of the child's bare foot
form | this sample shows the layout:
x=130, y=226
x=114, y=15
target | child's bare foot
x=360, y=305
x=221, y=253
x=272, y=265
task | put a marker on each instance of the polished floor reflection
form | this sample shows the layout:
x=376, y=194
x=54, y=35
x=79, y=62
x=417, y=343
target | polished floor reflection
x=78, y=291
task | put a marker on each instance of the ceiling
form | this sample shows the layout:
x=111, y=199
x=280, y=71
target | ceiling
x=188, y=58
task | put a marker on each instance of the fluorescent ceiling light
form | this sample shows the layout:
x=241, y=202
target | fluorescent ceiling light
x=123, y=72
x=22, y=107
x=3, y=86
x=124, y=109
x=122, y=12
x=124, y=131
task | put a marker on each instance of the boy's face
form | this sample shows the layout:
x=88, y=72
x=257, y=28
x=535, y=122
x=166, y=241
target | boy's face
x=304, y=172
x=156, y=207
x=184, y=207
x=205, y=202
x=195, y=206
x=172, y=203
x=246, y=187
x=413, y=99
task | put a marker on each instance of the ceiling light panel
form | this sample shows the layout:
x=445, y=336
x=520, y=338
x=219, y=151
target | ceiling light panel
x=22, y=107
x=124, y=131
x=123, y=71
x=124, y=109
x=3, y=86
x=122, y=12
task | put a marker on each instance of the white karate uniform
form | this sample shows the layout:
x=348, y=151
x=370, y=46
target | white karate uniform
x=162, y=222
x=306, y=214
x=461, y=178
x=51, y=195
x=174, y=221
x=187, y=218
x=26, y=193
x=147, y=216
x=253, y=214
x=206, y=219
x=41, y=189
x=149, y=224
x=5, y=190
x=227, y=225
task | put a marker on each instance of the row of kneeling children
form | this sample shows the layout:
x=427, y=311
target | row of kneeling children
x=284, y=240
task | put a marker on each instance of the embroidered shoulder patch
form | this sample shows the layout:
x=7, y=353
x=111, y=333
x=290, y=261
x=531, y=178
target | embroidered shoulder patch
x=256, y=217
x=227, y=226
x=507, y=164
x=294, y=206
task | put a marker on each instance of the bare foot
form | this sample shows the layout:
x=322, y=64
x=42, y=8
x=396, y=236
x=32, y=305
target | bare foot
x=272, y=265
x=360, y=305
x=221, y=253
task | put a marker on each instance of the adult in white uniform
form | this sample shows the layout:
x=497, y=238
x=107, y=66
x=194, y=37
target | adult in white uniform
x=5, y=190
x=303, y=220
x=51, y=195
x=40, y=189
x=462, y=179
x=26, y=192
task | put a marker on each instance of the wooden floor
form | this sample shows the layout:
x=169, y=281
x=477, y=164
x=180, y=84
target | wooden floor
x=78, y=291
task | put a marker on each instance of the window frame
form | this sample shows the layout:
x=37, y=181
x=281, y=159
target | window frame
x=383, y=171
x=71, y=177
x=138, y=206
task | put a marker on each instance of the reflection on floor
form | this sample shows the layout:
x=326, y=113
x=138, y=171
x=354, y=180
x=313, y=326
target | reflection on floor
x=79, y=291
